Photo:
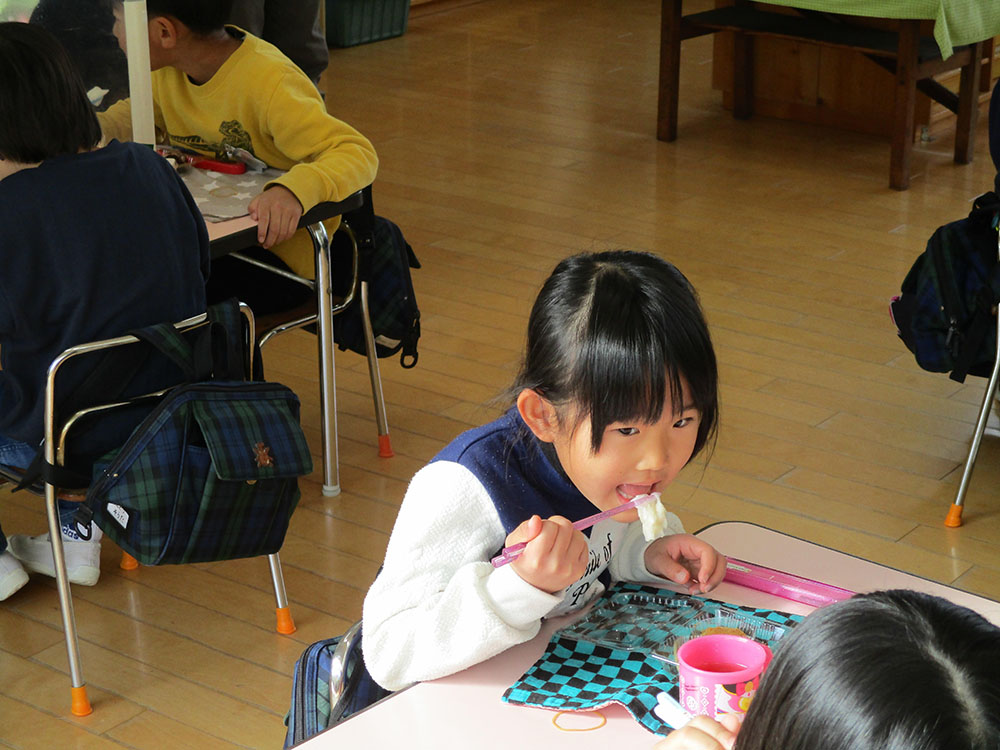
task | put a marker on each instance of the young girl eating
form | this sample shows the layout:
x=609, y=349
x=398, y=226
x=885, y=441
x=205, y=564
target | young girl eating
x=618, y=391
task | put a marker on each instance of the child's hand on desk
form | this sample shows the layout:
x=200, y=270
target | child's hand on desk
x=555, y=556
x=277, y=212
x=686, y=560
x=703, y=733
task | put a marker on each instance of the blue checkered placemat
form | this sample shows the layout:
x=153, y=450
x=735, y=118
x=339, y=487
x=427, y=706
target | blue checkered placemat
x=616, y=652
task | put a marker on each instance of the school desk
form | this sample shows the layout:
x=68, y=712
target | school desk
x=239, y=233
x=464, y=710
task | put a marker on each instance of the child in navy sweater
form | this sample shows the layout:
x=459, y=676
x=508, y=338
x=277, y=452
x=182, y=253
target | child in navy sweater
x=96, y=242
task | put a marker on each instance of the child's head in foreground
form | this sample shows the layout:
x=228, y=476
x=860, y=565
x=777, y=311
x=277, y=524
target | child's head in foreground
x=891, y=670
x=619, y=373
x=44, y=110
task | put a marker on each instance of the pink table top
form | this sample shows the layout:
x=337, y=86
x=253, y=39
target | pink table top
x=217, y=229
x=465, y=708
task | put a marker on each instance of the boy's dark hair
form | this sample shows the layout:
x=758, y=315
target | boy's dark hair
x=610, y=333
x=44, y=110
x=201, y=16
x=895, y=670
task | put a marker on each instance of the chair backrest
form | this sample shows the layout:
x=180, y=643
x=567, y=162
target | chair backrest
x=356, y=235
x=91, y=399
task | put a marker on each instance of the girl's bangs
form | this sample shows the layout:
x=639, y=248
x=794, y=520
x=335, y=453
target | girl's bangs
x=624, y=379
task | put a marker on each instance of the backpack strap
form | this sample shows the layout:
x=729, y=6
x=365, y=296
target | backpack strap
x=57, y=476
x=229, y=344
x=972, y=342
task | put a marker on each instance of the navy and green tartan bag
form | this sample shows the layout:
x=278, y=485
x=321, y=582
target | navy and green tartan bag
x=385, y=259
x=211, y=473
x=946, y=314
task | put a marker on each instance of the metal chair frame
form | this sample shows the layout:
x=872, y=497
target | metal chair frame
x=55, y=449
x=358, y=287
x=954, y=517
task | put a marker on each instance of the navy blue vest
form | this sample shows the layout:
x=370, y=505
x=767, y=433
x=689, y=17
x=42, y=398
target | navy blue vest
x=513, y=467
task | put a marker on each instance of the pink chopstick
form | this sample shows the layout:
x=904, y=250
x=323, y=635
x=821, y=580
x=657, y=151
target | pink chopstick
x=511, y=553
x=785, y=585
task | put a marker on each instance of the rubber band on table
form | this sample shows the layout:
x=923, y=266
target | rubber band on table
x=555, y=721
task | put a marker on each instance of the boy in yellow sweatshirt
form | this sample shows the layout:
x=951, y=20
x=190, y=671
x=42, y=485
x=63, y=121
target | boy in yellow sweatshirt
x=216, y=85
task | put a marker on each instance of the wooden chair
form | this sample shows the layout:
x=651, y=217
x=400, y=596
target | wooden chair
x=58, y=430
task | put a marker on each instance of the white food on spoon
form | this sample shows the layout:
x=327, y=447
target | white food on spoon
x=653, y=516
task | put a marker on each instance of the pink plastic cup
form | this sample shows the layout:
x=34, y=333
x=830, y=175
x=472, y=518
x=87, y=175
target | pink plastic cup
x=719, y=674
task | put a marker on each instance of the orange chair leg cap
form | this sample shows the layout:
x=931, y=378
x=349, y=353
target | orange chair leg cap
x=385, y=447
x=285, y=624
x=79, y=704
x=128, y=562
x=954, y=518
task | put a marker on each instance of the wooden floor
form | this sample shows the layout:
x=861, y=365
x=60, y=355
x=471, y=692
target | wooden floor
x=512, y=133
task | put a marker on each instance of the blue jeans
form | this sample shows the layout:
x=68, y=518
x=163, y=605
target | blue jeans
x=17, y=455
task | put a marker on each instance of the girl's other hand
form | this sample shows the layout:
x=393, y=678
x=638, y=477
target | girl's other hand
x=703, y=733
x=686, y=560
x=555, y=556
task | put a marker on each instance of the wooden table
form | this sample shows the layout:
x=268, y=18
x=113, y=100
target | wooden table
x=465, y=709
x=237, y=234
x=912, y=59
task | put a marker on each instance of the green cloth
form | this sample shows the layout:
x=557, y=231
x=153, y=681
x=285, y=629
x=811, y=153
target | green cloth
x=956, y=22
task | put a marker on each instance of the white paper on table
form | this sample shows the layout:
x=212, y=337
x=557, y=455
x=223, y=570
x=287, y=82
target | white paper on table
x=223, y=196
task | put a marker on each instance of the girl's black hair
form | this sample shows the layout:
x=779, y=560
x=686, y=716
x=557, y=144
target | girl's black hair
x=891, y=670
x=612, y=334
x=200, y=16
x=44, y=110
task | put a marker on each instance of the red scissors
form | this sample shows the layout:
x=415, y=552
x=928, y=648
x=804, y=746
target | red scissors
x=214, y=165
x=202, y=162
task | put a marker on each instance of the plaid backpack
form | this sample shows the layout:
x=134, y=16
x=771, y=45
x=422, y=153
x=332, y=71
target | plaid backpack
x=946, y=312
x=330, y=683
x=212, y=471
x=385, y=259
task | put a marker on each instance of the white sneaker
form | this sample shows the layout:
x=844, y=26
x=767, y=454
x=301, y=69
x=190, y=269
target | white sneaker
x=83, y=559
x=12, y=575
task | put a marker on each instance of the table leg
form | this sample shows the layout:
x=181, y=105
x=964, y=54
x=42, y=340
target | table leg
x=986, y=74
x=905, y=101
x=742, y=72
x=327, y=372
x=670, y=70
x=968, y=106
